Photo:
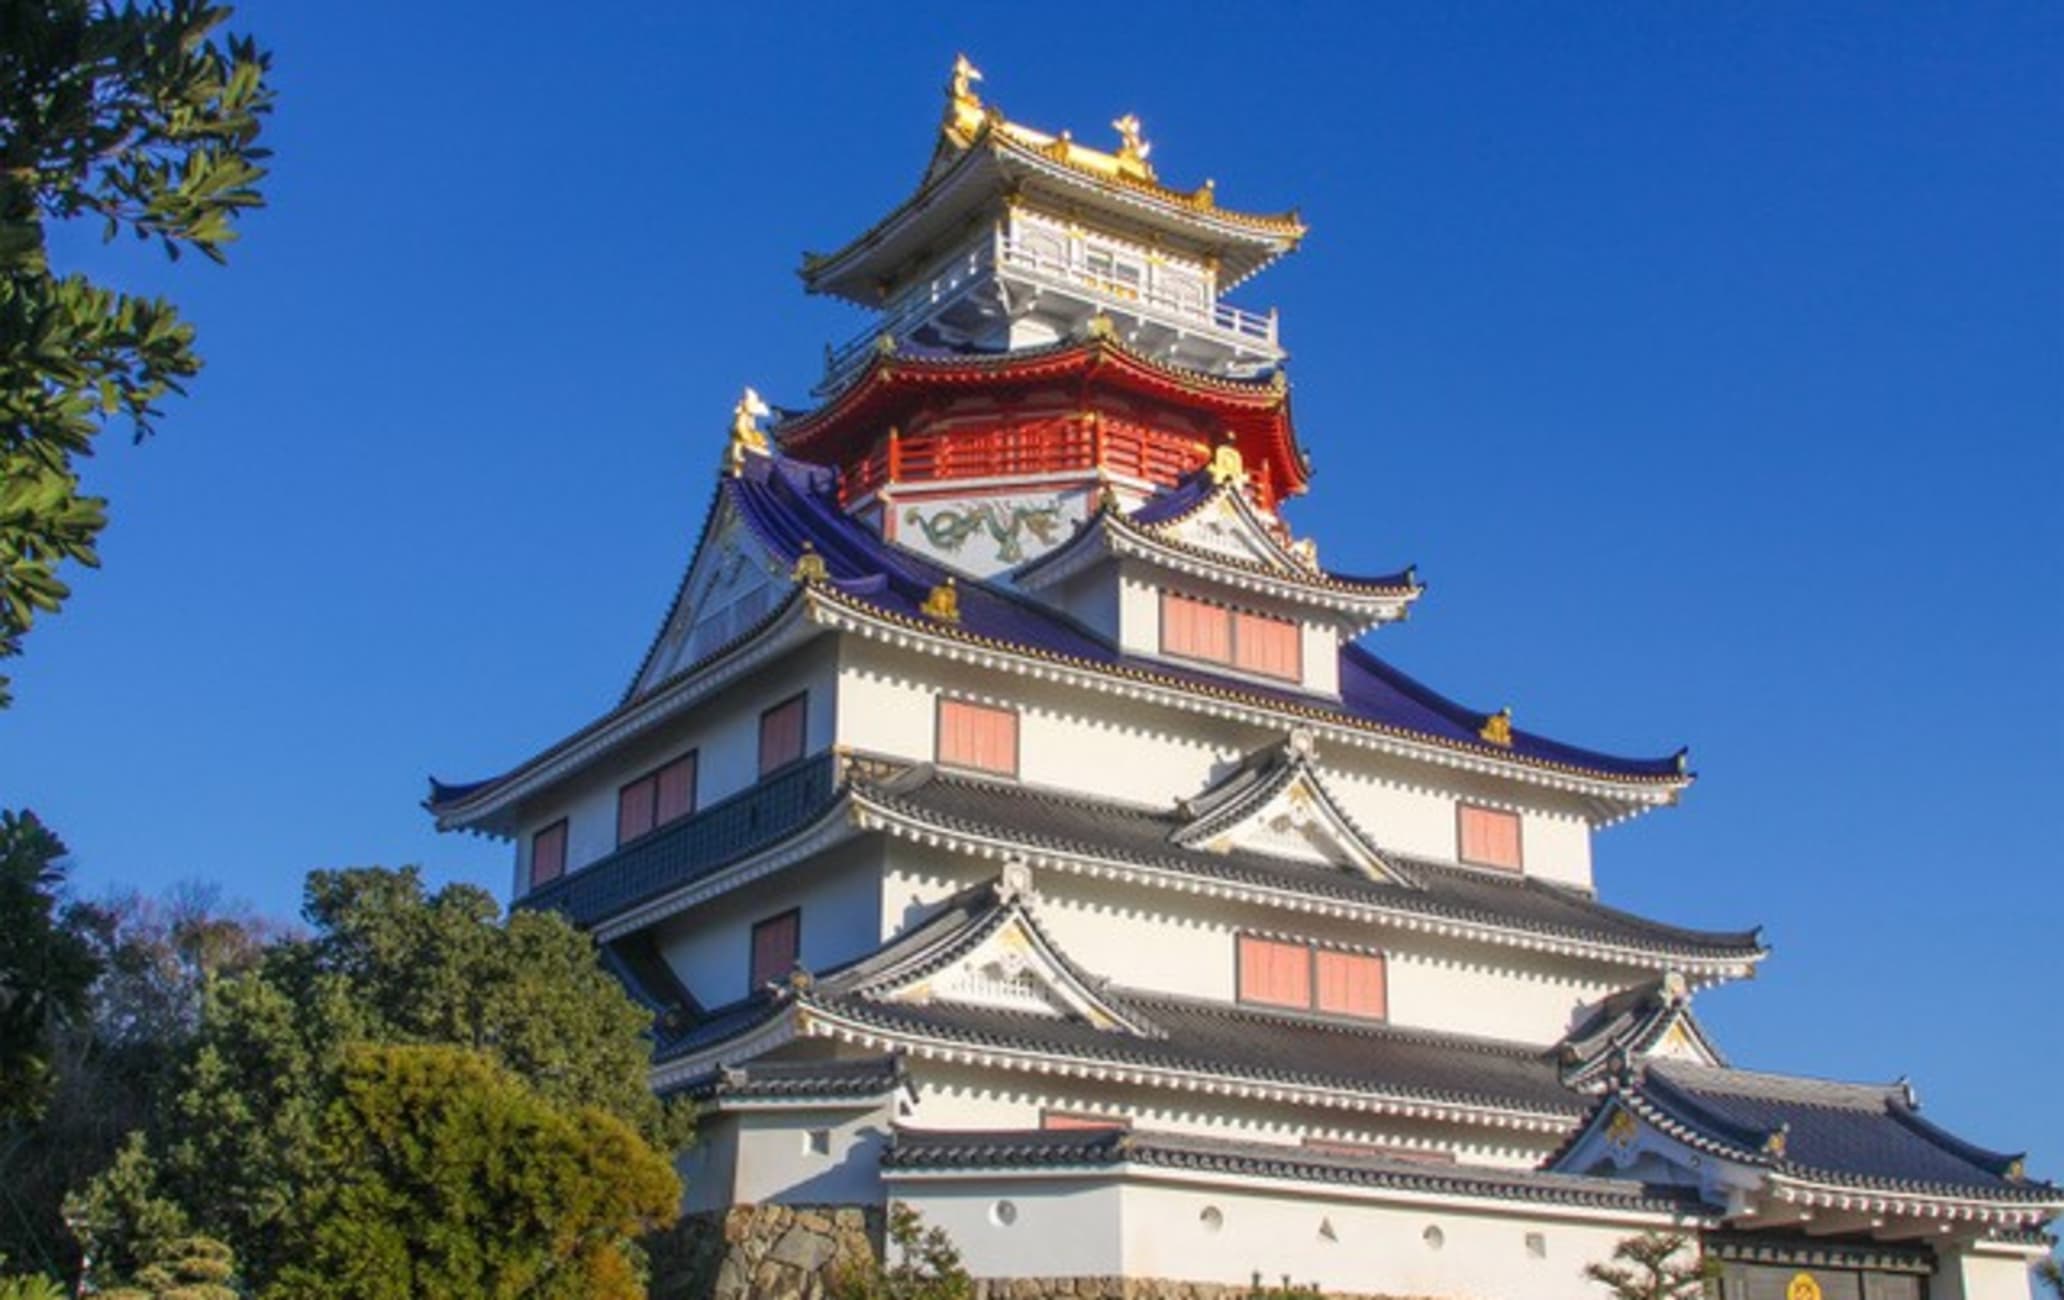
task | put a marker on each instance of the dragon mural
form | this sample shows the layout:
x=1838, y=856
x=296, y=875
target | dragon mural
x=950, y=529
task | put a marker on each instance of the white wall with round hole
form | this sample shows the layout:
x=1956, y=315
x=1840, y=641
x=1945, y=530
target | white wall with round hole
x=1434, y=1237
x=1004, y=1213
x=1212, y=1218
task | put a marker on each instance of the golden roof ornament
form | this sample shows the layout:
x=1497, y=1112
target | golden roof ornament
x=1497, y=729
x=943, y=604
x=746, y=434
x=1133, y=148
x=1101, y=327
x=1622, y=1129
x=962, y=87
x=809, y=566
x=1228, y=466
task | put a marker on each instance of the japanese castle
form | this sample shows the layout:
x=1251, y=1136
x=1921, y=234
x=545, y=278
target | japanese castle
x=1015, y=819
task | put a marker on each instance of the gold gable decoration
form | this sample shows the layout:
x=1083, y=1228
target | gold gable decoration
x=1497, y=729
x=1228, y=467
x=809, y=566
x=746, y=434
x=943, y=604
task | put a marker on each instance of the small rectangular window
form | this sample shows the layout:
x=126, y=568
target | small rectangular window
x=1272, y=647
x=978, y=736
x=781, y=733
x=1489, y=837
x=1196, y=629
x=676, y=789
x=548, y=854
x=775, y=946
x=1351, y=984
x=634, y=807
x=1077, y=1120
x=1274, y=973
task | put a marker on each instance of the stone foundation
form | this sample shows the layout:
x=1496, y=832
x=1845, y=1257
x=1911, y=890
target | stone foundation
x=763, y=1252
x=1149, y=1288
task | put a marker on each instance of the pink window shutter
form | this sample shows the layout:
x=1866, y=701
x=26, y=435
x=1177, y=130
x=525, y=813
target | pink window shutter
x=1195, y=629
x=634, y=805
x=676, y=790
x=1352, y=984
x=1270, y=646
x=1278, y=974
x=548, y=854
x=774, y=948
x=978, y=736
x=1490, y=837
x=781, y=735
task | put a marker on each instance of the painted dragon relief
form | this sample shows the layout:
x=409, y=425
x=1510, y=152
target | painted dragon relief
x=1006, y=524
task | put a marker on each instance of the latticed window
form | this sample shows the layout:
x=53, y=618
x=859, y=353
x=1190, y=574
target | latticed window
x=1489, y=837
x=978, y=736
x=776, y=943
x=1256, y=643
x=661, y=796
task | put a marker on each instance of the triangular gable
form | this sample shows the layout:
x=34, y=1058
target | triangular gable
x=1652, y=1021
x=1007, y=962
x=1224, y=522
x=1280, y=807
x=733, y=581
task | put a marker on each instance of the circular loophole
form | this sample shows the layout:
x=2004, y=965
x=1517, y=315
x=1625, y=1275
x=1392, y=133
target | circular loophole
x=1003, y=1214
x=1212, y=1218
x=1434, y=1237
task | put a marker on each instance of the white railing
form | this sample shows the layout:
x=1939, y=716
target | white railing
x=1150, y=300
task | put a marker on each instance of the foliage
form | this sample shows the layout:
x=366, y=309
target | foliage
x=440, y=1173
x=141, y=118
x=238, y=1145
x=2050, y=1274
x=155, y=957
x=1286, y=1290
x=927, y=1265
x=1655, y=1266
x=184, y=1268
x=30, y=1287
x=45, y=970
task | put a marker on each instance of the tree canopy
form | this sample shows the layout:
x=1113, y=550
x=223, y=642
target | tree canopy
x=46, y=970
x=240, y=1143
x=143, y=118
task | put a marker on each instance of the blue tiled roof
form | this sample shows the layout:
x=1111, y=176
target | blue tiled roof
x=790, y=504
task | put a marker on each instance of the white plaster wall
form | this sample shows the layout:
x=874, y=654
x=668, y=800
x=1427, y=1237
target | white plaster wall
x=1974, y=1276
x=1374, y=1246
x=1139, y=610
x=724, y=731
x=708, y=1166
x=1065, y=1226
x=777, y=1162
x=1321, y=657
x=1126, y=750
x=1058, y=1229
x=839, y=894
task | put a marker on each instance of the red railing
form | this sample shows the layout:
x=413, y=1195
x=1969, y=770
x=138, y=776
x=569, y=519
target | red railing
x=1052, y=446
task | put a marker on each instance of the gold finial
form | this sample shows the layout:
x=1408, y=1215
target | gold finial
x=1498, y=728
x=746, y=434
x=962, y=87
x=1107, y=497
x=885, y=344
x=799, y=979
x=809, y=566
x=2017, y=1170
x=1133, y=147
x=1101, y=327
x=1774, y=1145
x=1205, y=196
x=1228, y=466
x=943, y=604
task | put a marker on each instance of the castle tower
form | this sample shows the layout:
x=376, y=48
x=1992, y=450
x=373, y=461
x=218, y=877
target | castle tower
x=1012, y=818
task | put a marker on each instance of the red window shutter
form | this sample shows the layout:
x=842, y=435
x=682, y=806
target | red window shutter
x=978, y=736
x=1274, y=973
x=548, y=854
x=774, y=948
x=1195, y=629
x=781, y=734
x=1352, y=984
x=676, y=790
x=634, y=805
x=1270, y=646
x=1490, y=837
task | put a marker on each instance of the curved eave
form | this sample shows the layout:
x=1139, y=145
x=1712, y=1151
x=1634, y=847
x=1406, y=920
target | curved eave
x=1626, y=793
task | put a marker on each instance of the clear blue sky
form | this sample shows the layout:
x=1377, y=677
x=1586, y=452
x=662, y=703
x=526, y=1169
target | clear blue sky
x=1708, y=359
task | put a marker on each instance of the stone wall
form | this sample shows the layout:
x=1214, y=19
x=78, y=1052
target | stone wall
x=1143, y=1288
x=762, y=1252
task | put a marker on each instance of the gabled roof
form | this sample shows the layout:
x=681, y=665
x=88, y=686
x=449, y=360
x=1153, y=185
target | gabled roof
x=1814, y=1131
x=1162, y=531
x=1066, y=826
x=1631, y=1024
x=1147, y=1037
x=1266, y=779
